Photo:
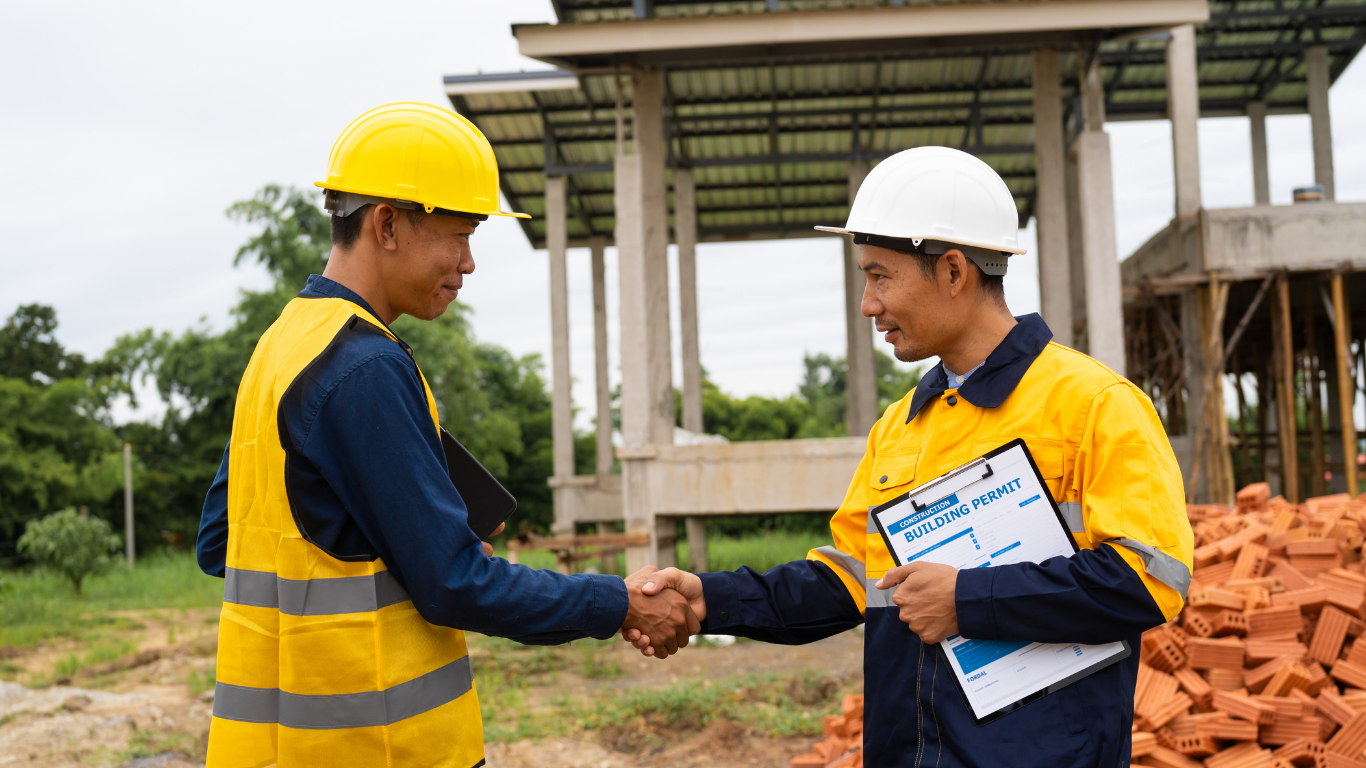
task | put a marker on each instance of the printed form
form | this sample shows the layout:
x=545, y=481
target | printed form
x=992, y=511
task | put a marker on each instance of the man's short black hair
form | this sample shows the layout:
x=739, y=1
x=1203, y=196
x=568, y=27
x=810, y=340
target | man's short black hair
x=992, y=285
x=346, y=229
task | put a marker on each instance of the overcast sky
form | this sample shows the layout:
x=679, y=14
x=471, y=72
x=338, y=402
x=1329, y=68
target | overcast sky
x=128, y=128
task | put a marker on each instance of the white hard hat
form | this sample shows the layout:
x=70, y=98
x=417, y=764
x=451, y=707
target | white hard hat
x=936, y=195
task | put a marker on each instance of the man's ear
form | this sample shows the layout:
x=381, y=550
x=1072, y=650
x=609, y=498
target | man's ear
x=384, y=220
x=955, y=265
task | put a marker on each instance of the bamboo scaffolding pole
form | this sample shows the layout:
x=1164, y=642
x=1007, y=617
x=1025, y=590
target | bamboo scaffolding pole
x=1313, y=400
x=1285, y=392
x=1342, y=338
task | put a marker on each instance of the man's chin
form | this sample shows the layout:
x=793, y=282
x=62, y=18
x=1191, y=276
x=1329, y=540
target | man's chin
x=909, y=354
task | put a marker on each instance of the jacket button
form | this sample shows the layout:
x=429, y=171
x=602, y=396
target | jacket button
x=882, y=479
x=725, y=616
x=953, y=400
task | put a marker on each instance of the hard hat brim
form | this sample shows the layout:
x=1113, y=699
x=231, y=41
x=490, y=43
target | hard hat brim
x=423, y=203
x=940, y=238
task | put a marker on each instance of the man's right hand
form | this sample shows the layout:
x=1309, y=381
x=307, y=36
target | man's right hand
x=664, y=615
x=685, y=584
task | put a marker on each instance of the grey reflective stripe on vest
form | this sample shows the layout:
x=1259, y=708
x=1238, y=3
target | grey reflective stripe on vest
x=872, y=521
x=1160, y=565
x=877, y=598
x=1071, y=513
x=347, y=710
x=846, y=563
x=312, y=597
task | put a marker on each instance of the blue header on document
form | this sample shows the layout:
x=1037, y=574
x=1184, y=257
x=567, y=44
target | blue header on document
x=947, y=510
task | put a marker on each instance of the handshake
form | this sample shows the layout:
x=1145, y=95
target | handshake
x=666, y=608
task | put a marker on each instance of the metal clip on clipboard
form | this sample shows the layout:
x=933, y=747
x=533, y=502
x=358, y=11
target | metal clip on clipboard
x=969, y=473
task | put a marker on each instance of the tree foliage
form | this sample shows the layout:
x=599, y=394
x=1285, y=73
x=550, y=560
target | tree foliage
x=74, y=546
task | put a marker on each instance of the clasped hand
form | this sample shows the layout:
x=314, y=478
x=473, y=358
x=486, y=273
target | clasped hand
x=666, y=608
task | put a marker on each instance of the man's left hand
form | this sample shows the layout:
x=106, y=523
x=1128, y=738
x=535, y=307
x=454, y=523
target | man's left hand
x=927, y=597
x=487, y=547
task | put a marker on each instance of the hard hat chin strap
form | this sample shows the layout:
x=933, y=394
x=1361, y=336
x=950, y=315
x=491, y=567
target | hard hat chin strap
x=344, y=204
x=989, y=261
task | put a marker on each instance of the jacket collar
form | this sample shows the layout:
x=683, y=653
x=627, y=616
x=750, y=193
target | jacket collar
x=998, y=376
x=319, y=287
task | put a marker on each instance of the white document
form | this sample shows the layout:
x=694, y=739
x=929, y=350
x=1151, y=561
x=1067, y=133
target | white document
x=992, y=511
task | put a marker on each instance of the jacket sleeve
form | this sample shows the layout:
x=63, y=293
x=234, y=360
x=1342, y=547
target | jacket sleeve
x=792, y=604
x=211, y=547
x=807, y=600
x=372, y=441
x=1136, y=570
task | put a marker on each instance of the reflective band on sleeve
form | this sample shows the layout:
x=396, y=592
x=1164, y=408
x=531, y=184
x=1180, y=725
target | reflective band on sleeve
x=1160, y=565
x=846, y=563
x=312, y=597
x=872, y=521
x=877, y=598
x=349, y=710
x=1071, y=512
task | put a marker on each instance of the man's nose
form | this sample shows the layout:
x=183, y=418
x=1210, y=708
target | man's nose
x=869, y=304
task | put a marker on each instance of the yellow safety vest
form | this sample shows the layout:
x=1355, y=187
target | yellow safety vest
x=322, y=661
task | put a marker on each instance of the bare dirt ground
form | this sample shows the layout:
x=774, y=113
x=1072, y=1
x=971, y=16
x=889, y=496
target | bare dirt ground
x=140, y=710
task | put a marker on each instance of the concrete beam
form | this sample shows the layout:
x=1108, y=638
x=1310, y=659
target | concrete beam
x=1183, y=109
x=1320, y=121
x=1261, y=184
x=689, y=33
x=1050, y=207
x=603, y=385
x=1096, y=201
x=685, y=233
x=861, y=366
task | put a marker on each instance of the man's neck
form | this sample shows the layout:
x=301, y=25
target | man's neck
x=356, y=272
x=983, y=332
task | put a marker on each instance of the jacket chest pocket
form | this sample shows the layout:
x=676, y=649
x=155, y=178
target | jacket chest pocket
x=1047, y=455
x=892, y=475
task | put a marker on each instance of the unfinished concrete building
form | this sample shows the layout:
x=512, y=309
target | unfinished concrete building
x=686, y=122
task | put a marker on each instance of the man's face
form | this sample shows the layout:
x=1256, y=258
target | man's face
x=429, y=268
x=910, y=308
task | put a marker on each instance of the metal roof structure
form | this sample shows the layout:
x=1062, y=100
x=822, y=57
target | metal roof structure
x=771, y=134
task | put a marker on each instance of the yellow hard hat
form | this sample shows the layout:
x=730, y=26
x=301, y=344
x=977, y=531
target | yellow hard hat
x=409, y=152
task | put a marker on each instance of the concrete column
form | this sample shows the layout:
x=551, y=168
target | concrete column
x=605, y=456
x=1050, y=206
x=697, y=544
x=685, y=233
x=561, y=409
x=1183, y=109
x=647, y=415
x=1320, y=122
x=1096, y=197
x=1261, y=184
x=861, y=379
x=1076, y=255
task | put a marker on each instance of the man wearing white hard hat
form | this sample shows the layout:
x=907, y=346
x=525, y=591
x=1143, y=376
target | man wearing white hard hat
x=935, y=229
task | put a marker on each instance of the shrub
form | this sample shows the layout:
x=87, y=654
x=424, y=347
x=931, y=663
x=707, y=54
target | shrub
x=74, y=546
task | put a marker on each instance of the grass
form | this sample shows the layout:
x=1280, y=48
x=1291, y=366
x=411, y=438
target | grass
x=203, y=681
x=760, y=552
x=41, y=606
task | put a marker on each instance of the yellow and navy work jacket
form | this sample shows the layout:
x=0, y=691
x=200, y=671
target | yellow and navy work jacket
x=1105, y=458
x=348, y=561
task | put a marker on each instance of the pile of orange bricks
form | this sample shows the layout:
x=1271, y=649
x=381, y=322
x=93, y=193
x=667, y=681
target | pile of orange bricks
x=1264, y=667
x=843, y=743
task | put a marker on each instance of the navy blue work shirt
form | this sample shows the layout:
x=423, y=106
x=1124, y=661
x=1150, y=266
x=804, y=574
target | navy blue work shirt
x=367, y=478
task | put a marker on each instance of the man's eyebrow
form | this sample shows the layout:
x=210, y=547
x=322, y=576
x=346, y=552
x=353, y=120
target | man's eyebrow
x=874, y=265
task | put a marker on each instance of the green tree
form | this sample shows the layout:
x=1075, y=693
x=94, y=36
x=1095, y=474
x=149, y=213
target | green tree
x=57, y=446
x=74, y=546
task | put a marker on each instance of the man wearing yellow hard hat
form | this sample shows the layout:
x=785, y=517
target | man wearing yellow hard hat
x=349, y=560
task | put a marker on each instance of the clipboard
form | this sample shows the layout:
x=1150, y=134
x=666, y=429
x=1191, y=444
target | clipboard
x=928, y=500
x=487, y=503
